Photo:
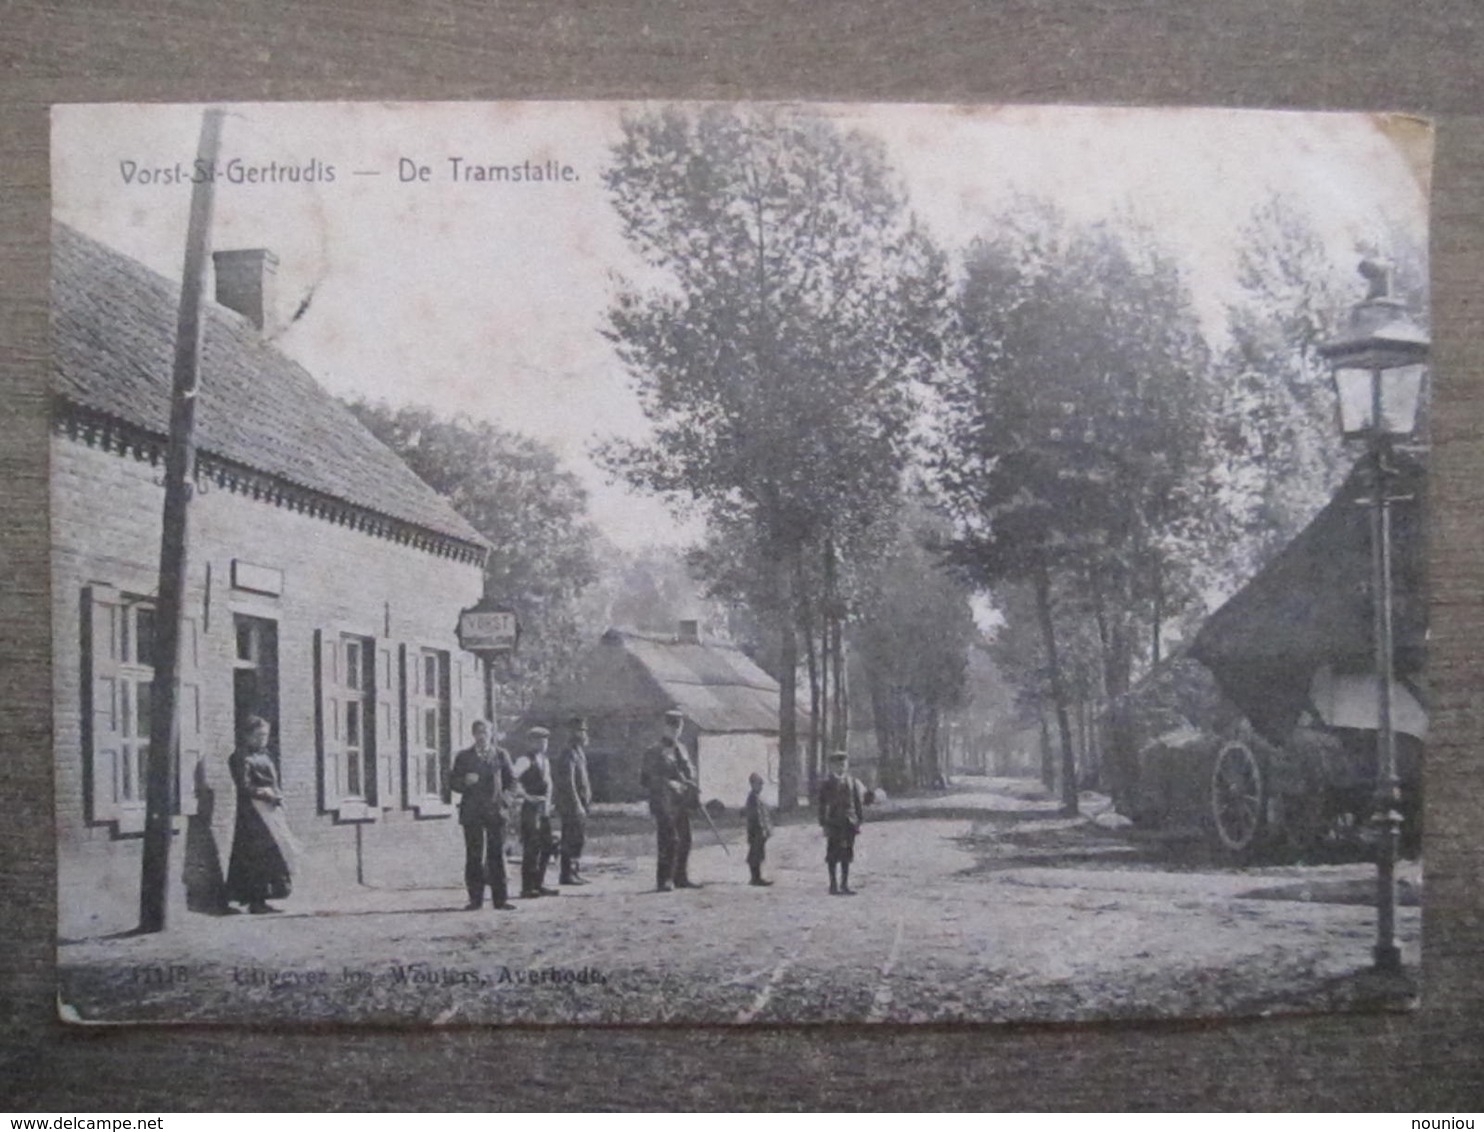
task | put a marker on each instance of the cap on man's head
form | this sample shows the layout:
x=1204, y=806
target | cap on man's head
x=838, y=756
x=674, y=715
x=578, y=723
x=539, y=733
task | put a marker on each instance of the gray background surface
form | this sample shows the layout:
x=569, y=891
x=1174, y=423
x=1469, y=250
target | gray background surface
x=1342, y=54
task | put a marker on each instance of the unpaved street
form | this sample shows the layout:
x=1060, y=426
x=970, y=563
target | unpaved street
x=977, y=905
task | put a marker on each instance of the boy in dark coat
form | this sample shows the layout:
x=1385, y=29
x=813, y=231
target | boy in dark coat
x=841, y=802
x=759, y=828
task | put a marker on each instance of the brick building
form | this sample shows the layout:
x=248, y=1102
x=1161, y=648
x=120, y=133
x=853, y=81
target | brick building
x=325, y=581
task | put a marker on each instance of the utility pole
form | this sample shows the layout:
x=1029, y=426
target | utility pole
x=180, y=459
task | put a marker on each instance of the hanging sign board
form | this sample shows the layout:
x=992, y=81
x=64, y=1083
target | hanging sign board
x=489, y=629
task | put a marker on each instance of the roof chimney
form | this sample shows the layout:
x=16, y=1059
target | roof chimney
x=690, y=633
x=244, y=282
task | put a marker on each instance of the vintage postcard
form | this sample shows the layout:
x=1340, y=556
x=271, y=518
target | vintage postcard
x=737, y=563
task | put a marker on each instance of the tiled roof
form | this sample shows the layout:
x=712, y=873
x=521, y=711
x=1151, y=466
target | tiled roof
x=718, y=687
x=113, y=342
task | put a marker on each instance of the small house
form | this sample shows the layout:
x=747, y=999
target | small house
x=625, y=682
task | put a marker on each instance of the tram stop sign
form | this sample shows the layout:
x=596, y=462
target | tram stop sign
x=489, y=629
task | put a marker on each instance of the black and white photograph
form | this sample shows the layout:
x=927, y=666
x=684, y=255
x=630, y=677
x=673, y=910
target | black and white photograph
x=737, y=563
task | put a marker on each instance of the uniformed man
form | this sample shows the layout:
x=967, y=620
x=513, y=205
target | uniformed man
x=671, y=783
x=572, y=795
x=841, y=812
x=481, y=776
x=533, y=778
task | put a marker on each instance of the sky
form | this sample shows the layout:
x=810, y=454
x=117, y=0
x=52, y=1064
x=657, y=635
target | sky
x=426, y=286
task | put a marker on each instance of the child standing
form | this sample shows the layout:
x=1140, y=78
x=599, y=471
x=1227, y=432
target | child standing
x=840, y=815
x=759, y=829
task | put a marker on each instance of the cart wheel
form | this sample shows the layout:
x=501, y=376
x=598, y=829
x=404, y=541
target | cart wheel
x=1237, y=799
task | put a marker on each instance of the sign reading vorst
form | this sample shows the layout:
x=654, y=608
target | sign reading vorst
x=488, y=629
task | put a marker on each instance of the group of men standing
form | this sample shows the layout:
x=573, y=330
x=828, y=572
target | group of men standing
x=489, y=783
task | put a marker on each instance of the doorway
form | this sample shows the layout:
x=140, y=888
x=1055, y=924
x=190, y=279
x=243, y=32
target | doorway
x=255, y=677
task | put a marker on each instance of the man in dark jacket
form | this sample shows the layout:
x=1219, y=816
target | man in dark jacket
x=481, y=776
x=841, y=812
x=671, y=783
x=572, y=795
x=533, y=777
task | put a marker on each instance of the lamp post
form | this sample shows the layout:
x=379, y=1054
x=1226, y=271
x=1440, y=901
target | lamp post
x=1379, y=362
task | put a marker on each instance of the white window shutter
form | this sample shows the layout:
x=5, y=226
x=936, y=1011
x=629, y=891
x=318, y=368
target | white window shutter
x=102, y=725
x=390, y=753
x=466, y=699
x=192, y=749
x=329, y=720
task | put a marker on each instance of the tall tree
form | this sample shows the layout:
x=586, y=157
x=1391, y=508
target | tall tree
x=774, y=356
x=514, y=491
x=1281, y=453
x=1072, y=434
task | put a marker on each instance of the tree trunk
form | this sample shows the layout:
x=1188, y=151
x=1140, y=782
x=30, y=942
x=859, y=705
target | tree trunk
x=815, y=739
x=934, y=761
x=885, y=748
x=1159, y=611
x=1118, y=662
x=1058, y=692
x=840, y=723
x=1048, y=754
x=788, y=665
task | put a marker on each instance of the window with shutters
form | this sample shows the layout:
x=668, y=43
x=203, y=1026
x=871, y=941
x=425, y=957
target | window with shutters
x=429, y=742
x=356, y=699
x=347, y=677
x=119, y=658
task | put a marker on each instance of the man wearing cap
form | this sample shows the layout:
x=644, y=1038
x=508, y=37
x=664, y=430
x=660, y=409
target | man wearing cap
x=572, y=795
x=533, y=777
x=840, y=815
x=481, y=775
x=671, y=782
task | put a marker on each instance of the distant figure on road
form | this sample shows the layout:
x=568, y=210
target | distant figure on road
x=533, y=776
x=841, y=812
x=759, y=828
x=670, y=780
x=572, y=794
x=481, y=776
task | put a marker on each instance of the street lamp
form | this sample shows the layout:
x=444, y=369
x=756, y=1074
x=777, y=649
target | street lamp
x=1379, y=363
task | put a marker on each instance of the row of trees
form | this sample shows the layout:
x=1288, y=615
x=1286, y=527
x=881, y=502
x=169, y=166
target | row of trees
x=872, y=432
x=777, y=367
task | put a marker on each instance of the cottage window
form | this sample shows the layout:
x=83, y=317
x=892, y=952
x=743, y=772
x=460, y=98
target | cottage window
x=358, y=724
x=428, y=710
x=347, y=744
x=118, y=718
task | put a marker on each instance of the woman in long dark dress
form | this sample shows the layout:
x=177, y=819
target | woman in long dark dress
x=259, y=869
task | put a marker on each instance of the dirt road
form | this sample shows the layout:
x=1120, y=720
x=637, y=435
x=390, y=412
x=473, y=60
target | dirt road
x=980, y=905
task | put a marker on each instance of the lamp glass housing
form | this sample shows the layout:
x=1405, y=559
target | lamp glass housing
x=1401, y=392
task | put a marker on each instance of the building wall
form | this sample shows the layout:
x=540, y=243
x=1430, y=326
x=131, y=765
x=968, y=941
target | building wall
x=106, y=529
x=727, y=760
